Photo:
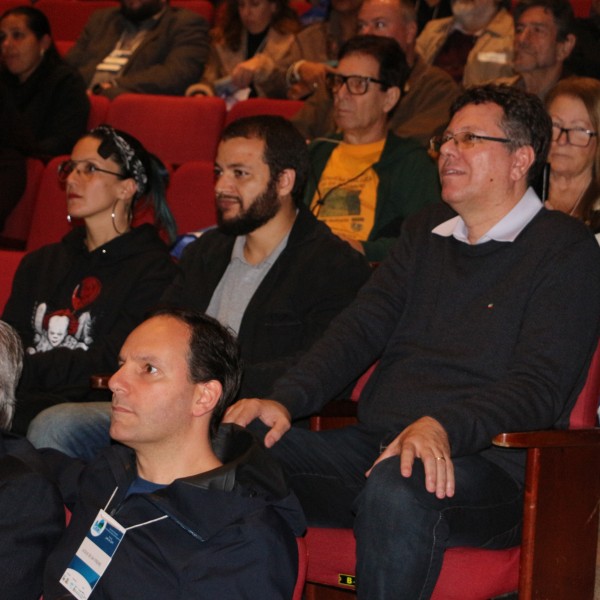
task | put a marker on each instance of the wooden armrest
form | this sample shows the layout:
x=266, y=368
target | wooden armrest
x=335, y=414
x=99, y=382
x=549, y=439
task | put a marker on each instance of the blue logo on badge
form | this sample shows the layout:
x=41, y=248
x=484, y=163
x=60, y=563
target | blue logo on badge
x=98, y=527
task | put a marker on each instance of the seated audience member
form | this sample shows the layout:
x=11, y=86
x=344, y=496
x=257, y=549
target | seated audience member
x=426, y=95
x=271, y=272
x=474, y=45
x=585, y=58
x=32, y=516
x=574, y=186
x=254, y=37
x=484, y=319
x=74, y=302
x=317, y=46
x=543, y=41
x=43, y=104
x=365, y=180
x=143, y=47
x=196, y=512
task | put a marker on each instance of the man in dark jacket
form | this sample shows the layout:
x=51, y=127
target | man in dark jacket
x=144, y=47
x=32, y=516
x=180, y=510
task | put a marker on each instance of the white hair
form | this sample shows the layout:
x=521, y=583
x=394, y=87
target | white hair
x=11, y=365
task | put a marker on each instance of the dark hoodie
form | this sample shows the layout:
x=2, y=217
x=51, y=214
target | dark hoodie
x=98, y=298
x=230, y=532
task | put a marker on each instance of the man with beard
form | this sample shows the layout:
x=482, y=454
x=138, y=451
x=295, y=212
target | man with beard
x=144, y=47
x=271, y=272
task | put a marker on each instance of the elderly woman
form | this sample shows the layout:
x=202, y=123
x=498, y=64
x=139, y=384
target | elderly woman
x=43, y=104
x=574, y=186
x=75, y=302
x=250, y=49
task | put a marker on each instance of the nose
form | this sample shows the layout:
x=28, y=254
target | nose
x=562, y=139
x=117, y=383
x=365, y=29
x=449, y=147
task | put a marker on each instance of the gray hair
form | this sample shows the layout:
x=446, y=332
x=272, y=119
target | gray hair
x=11, y=365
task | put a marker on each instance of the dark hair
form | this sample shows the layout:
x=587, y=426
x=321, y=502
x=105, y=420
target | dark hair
x=285, y=148
x=393, y=68
x=525, y=121
x=11, y=365
x=37, y=22
x=230, y=27
x=587, y=90
x=150, y=174
x=561, y=10
x=213, y=354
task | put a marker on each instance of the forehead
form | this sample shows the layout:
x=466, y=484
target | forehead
x=537, y=15
x=358, y=64
x=569, y=106
x=86, y=147
x=14, y=22
x=478, y=118
x=160, y=338
x=241, y=150
x=380, y=9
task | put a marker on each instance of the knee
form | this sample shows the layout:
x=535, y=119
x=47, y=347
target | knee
x=49, y=425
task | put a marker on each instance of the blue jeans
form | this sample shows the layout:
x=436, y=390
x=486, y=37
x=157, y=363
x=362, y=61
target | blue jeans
x=79, y=429
x=401, y=529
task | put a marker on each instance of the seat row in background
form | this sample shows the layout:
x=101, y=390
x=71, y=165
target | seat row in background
x=182, y=132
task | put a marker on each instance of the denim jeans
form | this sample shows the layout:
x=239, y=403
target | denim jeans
x=79, y=429
x=401, y=529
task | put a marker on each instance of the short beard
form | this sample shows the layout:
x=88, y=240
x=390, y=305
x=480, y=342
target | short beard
x=261, y=211
x=144, y=12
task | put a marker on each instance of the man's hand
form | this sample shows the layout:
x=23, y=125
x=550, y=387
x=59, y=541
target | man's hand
x=271, y=413
x=425, y=439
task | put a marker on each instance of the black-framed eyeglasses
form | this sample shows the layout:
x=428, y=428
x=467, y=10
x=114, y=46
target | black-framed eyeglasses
x=84, y=168
x=357, y=85
x=463, y=140
x=576, y=136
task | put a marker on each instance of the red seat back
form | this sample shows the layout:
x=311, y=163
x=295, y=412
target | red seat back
x=99, y=106
x=9, y=261
x=263, y=106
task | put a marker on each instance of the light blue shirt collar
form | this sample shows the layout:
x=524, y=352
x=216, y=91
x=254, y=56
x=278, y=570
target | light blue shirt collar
x=505, y=230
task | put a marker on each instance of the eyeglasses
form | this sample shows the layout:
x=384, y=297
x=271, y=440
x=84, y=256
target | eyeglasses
x=464, y=140
x=357, y=85
x=576, y=136
x=81, y=167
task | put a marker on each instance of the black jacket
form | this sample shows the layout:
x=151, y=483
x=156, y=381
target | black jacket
x=314, y=278
x=32, y=518
x=104, y=294
x=230, y=532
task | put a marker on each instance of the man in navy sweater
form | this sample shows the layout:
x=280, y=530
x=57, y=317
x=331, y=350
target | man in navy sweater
x=483, y=319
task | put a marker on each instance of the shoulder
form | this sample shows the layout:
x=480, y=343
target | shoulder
x=435, y=27
x=502, y=24
x=175, y=15
x=104, y=16
x=404, y=148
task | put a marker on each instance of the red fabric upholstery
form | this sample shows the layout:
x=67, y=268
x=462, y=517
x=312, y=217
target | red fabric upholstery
x=18, y=223
x=68, y=18
x=191, y=196
x=99, y=106
x=9, y=261
x=175, y=128
x=263, y=106
x=302, y=565
x=467, y=573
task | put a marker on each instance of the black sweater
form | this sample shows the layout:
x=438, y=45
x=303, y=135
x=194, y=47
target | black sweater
x=104, y=294
x=487, y=338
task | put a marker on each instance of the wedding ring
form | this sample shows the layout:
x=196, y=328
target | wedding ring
x=439, y=458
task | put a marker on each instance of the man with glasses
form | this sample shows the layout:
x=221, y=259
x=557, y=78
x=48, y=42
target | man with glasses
x=365, y=180
x=483, y=319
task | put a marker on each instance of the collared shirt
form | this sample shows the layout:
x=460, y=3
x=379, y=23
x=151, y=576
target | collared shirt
x=239, y=283
x=505, y=230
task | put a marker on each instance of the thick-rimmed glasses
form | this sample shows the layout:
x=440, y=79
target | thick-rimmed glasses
x=463, y=140
x=576, y=136
x=357, y=85
x=84, y=168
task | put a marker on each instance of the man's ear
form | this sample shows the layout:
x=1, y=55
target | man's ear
x=285, y=182
x=523, y=158
x=564, y=48
x=392, y=97
x=206, y=397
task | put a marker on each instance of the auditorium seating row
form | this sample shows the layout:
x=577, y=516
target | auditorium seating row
x=182, y=132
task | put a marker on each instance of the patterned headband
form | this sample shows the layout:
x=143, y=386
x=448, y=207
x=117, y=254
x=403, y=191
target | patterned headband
x=129, y=158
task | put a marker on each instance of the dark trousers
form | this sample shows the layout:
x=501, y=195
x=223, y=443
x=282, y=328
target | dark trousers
x=401, y=529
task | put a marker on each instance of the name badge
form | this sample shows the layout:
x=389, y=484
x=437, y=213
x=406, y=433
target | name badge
x=499, y=58
x=93, y=556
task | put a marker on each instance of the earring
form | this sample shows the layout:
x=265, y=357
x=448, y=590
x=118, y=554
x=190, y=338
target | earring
x=113, y=217
x=69, y=219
